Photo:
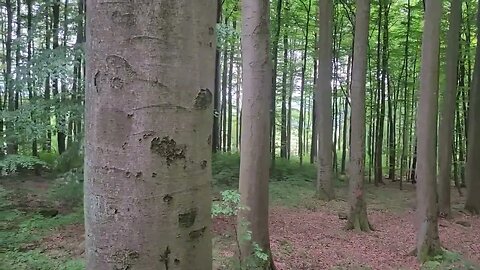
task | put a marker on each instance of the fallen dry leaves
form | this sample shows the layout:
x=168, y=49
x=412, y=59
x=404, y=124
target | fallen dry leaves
x=304, y=239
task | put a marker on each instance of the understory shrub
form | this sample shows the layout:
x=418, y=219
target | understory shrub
x=11, y=164
x=68, y=188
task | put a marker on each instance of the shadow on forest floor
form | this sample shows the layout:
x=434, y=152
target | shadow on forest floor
x=39, y=232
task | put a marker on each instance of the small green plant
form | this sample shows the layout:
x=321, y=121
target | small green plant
x=11, y=164
x=447, y=260
x=229, y=207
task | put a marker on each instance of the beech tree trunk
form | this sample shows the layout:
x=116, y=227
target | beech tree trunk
x=324, y=102
x=473, y=148
x=257, y=96
x=148, y=134
x=9, y=86
x=357, y=218
x=283, y=129
x=428, y=242
x=216, y=96
x=302, y=84
x=229, y=94
x=273, y=109
x=447, y=117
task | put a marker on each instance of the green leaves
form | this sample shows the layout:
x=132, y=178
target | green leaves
x=228, y=206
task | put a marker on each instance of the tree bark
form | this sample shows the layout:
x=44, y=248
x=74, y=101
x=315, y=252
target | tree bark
x=357, y=218
x=447, y=117
x=345, y=114
x=216, y=95
x=283, y=129
x=223, y=113
x=302, y=83
x=257, y=97
x=29, y=58
x=273, y=109
x=148, y=134
x=324, y=102
x=473, y=148
x=405, y=135
x=47, y=93
x=9, y=86
x=229, y=94
x=428, y=242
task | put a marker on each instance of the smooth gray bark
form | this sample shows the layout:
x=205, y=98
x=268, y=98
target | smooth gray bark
x=149, y=84
x=428, y=242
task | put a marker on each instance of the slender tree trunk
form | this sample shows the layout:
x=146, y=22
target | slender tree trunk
x=216, y=95
x=18, y=58
x=223, y=114
x=302, y=83
x=447, y=117
x=357, y=218
x=290, y=94
x=463, y=125
x=255, y=162
x=273, y=109
x=324, y=102
x=345, y=114
x=381, y=77
x=55, y=86
x=29, y=58
x=405, y=135
x=237, y=96
x=428, y=242
x=9, y=86
x=314, y=138
x=147, y=195
x=230, y=90
x=283, y=129
x=473, y=147
x=48, y=143
x=391, y=95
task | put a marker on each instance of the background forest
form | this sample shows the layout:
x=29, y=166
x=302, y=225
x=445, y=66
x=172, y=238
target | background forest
x=42, y=126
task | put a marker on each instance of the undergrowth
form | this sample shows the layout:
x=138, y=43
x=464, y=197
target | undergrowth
x=448, y=260
x=21, y=233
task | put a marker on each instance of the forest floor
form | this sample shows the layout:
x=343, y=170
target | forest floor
x=39, y=231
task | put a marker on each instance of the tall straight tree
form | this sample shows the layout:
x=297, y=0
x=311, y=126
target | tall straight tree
x=323, y=101
x=255, y=138
x=9, y=87
x=447, y=118
x=148, y=134
x=473, y=152
x=357, y=218
x=273, y=110
x=428, y=242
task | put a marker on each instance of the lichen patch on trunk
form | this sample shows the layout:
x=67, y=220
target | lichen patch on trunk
x=124, y=259
x=197, y=233
x=168, y=149
x=187, y=219
x=203, y=99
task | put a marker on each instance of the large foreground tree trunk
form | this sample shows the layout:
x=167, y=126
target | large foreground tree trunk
x=357, y=218
x=148, y=134
x=254, y=152
x=323, y=102
x=428, y=242
x=473, y=152
x=447, y=120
